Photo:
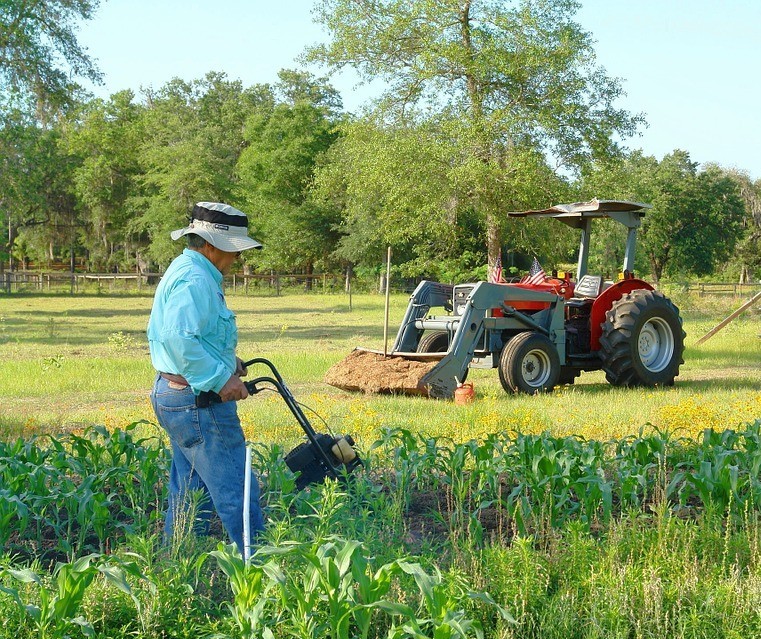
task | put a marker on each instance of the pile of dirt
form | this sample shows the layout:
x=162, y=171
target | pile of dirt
x=375, y=373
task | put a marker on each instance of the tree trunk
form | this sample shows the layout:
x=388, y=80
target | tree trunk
x=657, y=269
x=493, y=241
x=10, y=244
x=481, y=150
x=309, y=271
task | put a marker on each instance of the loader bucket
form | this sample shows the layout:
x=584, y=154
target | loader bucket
x=371, y=371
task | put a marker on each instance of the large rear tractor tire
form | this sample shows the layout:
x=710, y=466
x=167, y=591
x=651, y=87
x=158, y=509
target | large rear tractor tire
x=642, y=340
x=434, y=342
x=529, y=364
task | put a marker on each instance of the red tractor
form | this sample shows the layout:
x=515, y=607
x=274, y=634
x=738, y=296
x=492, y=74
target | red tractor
x=537, y=333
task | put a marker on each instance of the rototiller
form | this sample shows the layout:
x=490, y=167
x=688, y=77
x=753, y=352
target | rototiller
x=323, y=455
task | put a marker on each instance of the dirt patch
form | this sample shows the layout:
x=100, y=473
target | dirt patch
x=375, y=373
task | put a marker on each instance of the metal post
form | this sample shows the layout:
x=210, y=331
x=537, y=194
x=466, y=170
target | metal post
x=388, y=289
x=581, y=268
x=631, y=240
x=247, y=507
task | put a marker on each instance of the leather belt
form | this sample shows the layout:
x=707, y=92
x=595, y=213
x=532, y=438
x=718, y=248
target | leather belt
x=177, y=379
x=203, y=399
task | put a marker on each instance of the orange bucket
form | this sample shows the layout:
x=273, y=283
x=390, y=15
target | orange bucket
x=464, y=393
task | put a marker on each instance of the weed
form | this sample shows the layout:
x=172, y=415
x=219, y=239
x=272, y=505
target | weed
x=54, y=362
x=120, y=342
x=52, y=329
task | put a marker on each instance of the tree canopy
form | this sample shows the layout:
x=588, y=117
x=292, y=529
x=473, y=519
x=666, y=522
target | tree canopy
x=510, y=89
x=39, y=52
x=489, y=106
x=697, y=216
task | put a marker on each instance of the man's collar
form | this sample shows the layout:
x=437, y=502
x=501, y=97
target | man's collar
x=200, y=258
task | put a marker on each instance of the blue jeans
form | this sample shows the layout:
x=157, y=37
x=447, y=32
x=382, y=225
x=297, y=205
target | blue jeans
x=208, y=455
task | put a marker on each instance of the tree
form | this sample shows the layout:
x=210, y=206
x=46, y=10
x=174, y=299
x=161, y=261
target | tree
x=193, y=139
x=276, y=170
x=39, y=51
x=36, y=192
x=106, y=137
x=696, y=216
x=393, y=191
x=505, y=85
x=748, y=251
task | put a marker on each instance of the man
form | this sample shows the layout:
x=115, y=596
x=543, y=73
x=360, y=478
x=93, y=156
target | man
x=192, y=337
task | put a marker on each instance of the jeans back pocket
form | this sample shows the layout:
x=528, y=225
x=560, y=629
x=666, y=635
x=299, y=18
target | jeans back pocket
x=178, y=416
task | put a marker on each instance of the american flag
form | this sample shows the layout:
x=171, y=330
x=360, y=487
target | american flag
x=496, y=272
x=536, y=273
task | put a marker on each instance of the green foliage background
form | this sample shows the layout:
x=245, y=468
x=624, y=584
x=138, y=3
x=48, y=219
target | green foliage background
x=489, y=107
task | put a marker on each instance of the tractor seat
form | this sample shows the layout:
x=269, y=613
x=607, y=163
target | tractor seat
x=589, y=287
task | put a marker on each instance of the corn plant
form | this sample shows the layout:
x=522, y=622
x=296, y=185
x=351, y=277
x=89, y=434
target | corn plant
x=251, y=585
x=637, y=459
x=55, y=613
x=121, y=463
x=93, y=513
x=12, y=508
x=300, y=593
x=442, y=614
x=722, y=471
x=415, y=459
x=371, y=590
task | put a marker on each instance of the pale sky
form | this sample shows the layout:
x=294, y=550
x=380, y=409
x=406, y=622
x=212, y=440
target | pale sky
x=690, y=66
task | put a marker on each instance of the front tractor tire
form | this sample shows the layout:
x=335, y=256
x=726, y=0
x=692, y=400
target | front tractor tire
x=529, y=364
x=642, y=341
x=434, y=342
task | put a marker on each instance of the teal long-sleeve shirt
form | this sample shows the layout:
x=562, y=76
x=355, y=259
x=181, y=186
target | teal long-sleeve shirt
x=191, y=332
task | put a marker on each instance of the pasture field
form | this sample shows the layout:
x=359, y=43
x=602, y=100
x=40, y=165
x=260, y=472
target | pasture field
x=68, y=362
x=588, y=513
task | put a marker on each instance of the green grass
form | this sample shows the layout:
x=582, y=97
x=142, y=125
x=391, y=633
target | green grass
x=684, y=565
x=67, y=362
x=678, y=565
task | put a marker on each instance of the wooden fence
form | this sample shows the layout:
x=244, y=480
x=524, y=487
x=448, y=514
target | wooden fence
x=17, y=281
x=734, y=290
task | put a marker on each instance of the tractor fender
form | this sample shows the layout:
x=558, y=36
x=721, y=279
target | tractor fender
x=604, y=303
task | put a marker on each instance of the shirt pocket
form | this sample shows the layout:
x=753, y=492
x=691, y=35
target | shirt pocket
x=227, y=330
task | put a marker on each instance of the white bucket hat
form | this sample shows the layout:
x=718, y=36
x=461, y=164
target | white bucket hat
x=220, y=225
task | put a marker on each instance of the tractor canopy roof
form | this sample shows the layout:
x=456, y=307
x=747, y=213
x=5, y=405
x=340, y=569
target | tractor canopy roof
x=628, y=213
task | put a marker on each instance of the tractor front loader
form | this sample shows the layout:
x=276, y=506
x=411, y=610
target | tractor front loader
x=537, y=335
